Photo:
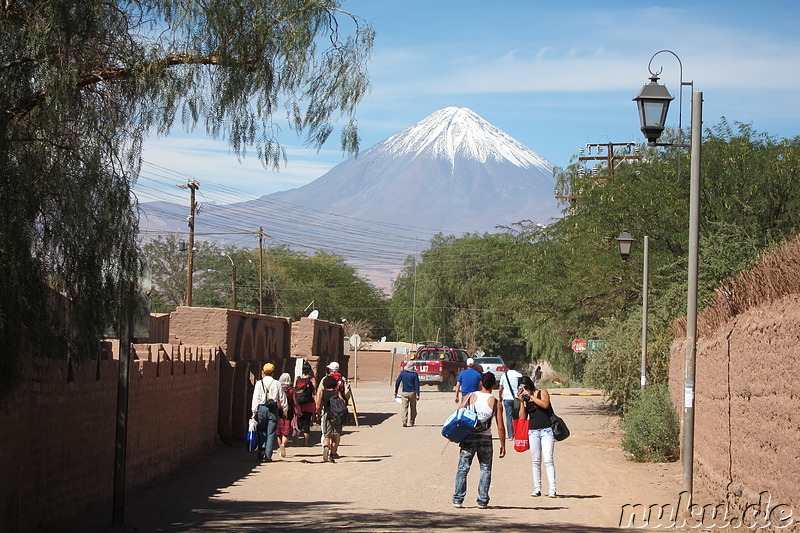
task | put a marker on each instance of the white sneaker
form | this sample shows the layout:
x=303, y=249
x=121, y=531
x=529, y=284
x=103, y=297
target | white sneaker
x=536, y=493
x=552, y=495
x=457, y=505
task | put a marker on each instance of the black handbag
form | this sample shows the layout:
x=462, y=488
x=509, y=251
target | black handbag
x=560, y=429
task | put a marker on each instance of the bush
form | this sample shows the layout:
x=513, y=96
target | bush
x=651, y=426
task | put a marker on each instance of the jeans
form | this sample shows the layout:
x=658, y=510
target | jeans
x=267, y=424
x=511, y=415
x=409, y=401
x=542, y=443
x=474, y=444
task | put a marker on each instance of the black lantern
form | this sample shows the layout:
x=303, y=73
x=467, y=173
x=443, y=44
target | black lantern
x=624, y=241
x=653, y=102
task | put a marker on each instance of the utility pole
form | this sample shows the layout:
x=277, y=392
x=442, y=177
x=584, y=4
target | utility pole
x=192, y=185
x=610, y=157
x=261, y=270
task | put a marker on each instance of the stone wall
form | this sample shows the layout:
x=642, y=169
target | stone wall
x=747, y=386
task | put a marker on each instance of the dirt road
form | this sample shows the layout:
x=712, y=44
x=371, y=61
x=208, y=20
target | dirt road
x=391, y=478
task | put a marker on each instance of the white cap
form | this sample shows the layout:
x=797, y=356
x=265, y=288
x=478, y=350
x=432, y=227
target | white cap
x=334, y=366
x=470, y=361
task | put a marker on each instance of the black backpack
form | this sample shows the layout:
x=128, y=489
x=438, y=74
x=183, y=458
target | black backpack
x=337, y=409
x=303, y=391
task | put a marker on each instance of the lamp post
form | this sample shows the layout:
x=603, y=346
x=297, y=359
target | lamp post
x=651, y=101
x=233, y=278
x=624, y=242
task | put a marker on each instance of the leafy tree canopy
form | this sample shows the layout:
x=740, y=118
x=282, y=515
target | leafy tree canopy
x=84, y=81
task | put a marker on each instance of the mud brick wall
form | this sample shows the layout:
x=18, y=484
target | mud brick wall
x=173, y=409
x=246, y=341
x=747, y=393
x=320, y=342
x=59, y=430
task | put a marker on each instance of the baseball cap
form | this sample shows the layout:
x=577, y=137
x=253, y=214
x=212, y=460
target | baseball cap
x=269, y=368
x=334, y=366
x=470, y=361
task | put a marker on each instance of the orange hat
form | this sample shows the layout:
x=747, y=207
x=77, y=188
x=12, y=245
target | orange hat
x=269, y=368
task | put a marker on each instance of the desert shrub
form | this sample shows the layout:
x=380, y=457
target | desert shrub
x=651, y=426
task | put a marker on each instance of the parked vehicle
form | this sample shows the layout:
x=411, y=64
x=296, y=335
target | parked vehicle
x=438, y=365
x=495, y=365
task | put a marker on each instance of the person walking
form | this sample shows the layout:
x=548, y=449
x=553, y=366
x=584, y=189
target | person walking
x=479, y=442
x=536, y=408
x=284, y=428
x=468, y=380
x=410, y=393
x=509, y=384
x=537, y=377
x=268, y=402
x=331, y=426
x=305, y=388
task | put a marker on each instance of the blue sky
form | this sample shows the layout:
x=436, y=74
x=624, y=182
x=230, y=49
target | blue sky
x=553, y=75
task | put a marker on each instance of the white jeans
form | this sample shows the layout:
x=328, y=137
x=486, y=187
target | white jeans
x=542, y=444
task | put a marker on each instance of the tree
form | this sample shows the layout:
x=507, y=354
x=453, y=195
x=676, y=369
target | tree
x=85, y=81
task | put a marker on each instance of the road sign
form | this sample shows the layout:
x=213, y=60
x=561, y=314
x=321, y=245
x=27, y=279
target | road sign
x=355, y=341
x=579, y=345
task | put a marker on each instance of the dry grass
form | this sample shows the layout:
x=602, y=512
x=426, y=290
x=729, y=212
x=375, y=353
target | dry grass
x=776, y=275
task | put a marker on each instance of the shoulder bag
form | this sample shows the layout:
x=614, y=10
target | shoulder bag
x=560, y=429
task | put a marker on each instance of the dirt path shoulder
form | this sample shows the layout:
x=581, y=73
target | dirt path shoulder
x=391, y=478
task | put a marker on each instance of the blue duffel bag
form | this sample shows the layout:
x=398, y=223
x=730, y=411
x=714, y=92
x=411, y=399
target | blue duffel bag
x=460, y=424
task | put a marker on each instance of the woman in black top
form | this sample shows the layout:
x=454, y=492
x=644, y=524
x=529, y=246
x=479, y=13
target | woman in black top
x=535, y=407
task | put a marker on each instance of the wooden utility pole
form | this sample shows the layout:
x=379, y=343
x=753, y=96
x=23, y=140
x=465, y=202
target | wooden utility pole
x=609, y=157
x=261, y=270
x=192, y=185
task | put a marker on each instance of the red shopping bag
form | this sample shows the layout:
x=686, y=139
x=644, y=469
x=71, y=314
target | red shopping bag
x=521, y=443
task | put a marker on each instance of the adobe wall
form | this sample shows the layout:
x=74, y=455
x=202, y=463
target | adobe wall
x=747, y=429
x=246, y=341
x=59, y=430
x=320, y=342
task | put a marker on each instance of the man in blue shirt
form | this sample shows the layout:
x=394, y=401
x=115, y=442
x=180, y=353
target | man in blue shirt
x=410, y=393
x=469, y=380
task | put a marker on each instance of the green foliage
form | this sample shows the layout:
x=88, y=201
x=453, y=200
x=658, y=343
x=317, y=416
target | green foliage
x=533, y=289
x=84, y=81
x=294, y=283
x=651, y=426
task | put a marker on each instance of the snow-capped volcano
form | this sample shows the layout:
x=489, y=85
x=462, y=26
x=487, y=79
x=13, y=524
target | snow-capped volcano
x=456, y=164
x=452, y=173
x=458, y=131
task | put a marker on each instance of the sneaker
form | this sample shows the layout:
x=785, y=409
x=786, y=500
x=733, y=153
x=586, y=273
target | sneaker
x=552, y=495
x=405, y=425
x=334, y=455
x=457, y=505
x=283, y=450
x=483, y=506
x=326, y=454
x=536, y=493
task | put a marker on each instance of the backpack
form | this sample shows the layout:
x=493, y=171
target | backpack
x=337, y=409
x=303, y=391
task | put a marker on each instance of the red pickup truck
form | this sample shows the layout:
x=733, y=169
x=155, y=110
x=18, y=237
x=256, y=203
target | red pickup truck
x=438, y=365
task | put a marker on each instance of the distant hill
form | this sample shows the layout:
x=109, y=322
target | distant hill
x=452, y=172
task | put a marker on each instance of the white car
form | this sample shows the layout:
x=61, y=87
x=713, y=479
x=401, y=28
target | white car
x=495, y=365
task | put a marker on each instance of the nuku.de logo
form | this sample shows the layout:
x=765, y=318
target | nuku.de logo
x=684, y=515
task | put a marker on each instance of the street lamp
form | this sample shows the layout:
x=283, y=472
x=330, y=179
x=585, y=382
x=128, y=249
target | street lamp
x=694, y=239
x=233, y=278
x=653, y=102
x=624, y=242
